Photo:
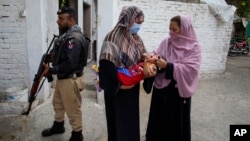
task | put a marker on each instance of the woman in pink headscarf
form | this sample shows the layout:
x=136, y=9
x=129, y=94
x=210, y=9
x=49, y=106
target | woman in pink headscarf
x=175, y=83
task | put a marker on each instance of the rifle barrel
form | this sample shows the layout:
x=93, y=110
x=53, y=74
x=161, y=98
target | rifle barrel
x=37, y=79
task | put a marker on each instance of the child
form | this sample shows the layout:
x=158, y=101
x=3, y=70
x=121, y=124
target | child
x=134, y=75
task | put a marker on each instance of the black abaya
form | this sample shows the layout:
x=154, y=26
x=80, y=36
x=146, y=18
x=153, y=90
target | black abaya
x=169, y=117
x=122, y=106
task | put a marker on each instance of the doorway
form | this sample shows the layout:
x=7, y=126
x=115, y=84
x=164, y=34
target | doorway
x=87, y=26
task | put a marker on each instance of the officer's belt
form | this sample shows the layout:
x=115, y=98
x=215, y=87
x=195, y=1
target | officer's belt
x=74, y=75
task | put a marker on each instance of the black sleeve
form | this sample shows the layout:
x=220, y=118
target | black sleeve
x=169, y=71
x=72, y=52
x=108, y=77
x=85, y=51
x=148, y=84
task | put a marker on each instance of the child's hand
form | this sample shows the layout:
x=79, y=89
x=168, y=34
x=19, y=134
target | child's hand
x=149, y=70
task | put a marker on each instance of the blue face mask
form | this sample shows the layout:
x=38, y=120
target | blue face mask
x=136, y=27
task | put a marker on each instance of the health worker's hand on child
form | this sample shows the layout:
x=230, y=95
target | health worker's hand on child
x=155, y=59
x=151, y=57
x=161, y=63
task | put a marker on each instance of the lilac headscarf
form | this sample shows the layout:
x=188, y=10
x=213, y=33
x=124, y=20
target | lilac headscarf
x=183, y=50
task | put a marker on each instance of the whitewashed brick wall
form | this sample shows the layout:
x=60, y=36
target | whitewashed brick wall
x=214, y=37
x=23, y=40
x=13, y=51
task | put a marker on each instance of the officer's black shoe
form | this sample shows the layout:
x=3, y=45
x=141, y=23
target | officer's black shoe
x=76, y=136
x=57, y=128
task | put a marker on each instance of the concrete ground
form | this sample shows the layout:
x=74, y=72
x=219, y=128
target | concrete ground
x=219, y=101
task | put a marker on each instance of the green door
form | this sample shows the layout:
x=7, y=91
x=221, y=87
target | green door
x=248, y=32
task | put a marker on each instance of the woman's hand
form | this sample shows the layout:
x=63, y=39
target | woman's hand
x=161, y=63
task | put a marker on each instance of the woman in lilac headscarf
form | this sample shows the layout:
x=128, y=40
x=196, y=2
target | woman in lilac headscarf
x=175, y=83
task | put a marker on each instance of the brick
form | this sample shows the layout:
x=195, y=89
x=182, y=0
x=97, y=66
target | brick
x=5, y=46
x=5, y=2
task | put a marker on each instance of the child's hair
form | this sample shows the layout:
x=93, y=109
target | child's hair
x=176, y=19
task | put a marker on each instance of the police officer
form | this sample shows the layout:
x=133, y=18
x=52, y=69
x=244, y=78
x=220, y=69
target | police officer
x=69, y=58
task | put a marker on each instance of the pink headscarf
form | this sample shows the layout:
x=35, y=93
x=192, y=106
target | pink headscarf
x=183, y=50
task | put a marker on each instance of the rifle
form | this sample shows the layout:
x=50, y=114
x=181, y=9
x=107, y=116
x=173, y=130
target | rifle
x=41, y=73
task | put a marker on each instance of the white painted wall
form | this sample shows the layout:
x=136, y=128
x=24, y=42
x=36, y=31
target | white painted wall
x=94, y=19
x=13, y=54
x=105, y=19
x=41, y=25
x=80, y=13
x=213, y=36
x=104, y=25
x=26, y=29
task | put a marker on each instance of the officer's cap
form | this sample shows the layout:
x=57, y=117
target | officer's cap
x=67, y=10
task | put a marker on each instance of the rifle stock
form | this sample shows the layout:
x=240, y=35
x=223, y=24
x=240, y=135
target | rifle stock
x=41, y=72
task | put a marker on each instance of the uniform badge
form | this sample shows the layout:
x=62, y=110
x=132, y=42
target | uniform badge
x=70, y=44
